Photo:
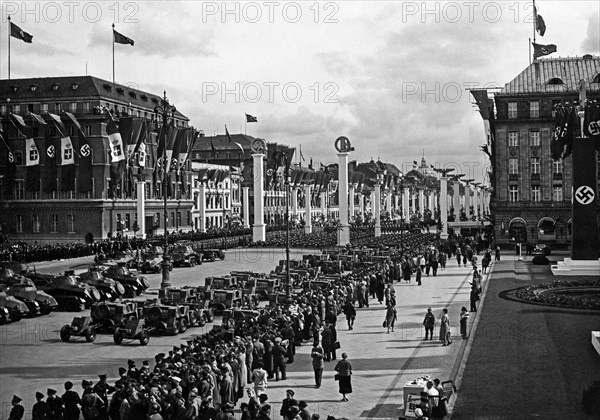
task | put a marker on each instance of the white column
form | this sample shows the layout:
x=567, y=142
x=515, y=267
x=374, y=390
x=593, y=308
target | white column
x=361, y=204
x=444, y=207
x=307, y=212
x=421, y=202
x=430, y=201
x=388, y=202
x=396, y=202
x=344, y=232
x=376, y=206
x=202, y=207
x=258, y=228
x=476, y=202
x=468, y=200
x=324, y=204
x=294, y=192
x=456, y=200
x=351, y=201
x=141, y=212
x=246, y=206
x=406, y=204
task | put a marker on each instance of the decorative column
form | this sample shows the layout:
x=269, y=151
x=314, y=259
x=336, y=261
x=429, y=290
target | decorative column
x=430, y=201
x=444, y=207
x=324, y=205
x=376, y=205
x=245, y=206
x=294, y=192
x=421, y=202
x=476, y=202
x=456, y=200
x=259, y=148
x=307, y=211
x=388, y=202
x=351, y=201
x=468, y=200
x=396, y=202
x=202, y=207
x=141, y=212
x=361, y=204
x=344, y=230
x=406, y=204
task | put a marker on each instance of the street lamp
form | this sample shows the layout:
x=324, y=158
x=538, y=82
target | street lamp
x=279, y=156
x=167, y=111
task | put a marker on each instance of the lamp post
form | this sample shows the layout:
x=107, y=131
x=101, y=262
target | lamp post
x=166, y=111
x=279, y=156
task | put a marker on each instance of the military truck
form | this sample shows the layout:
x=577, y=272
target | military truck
x=196, y=299
x=212, y=255
x=223, y=299
x=221, y=282
x=167, y=319
x=109, y=315
x=132, y=329
x=185, y=255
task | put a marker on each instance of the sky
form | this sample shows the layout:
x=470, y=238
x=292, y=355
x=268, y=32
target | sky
x=389, y=75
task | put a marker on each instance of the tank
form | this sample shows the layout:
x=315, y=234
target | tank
x=69, y=292
x=25, y=290
x=134, y=285
x=109, y=288
x=16, y=308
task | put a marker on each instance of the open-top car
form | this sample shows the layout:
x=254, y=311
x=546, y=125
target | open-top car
x=212, y=255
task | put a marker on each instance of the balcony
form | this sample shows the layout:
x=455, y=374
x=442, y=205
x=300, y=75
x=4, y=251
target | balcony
x=532, y=204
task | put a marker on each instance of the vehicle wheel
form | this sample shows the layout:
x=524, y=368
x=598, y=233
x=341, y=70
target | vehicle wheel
x=90, y=335
x=154, y=314
x=145, y=283
x=144, y=270
x=202, y=320
x=192, y=262
x=194, y=319
x=16, y=316
x=45, y=310
x=210, y=317
x=222, y=257
x=212, y=259
x=65, y=333
x=183, y=325
x=144, y=338
x=176, y=327
x=117, y=337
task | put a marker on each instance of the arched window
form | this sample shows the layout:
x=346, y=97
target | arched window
x=546, y=229
x=517, y=230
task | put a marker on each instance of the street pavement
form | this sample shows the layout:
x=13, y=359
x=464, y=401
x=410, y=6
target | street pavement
x=33, y=358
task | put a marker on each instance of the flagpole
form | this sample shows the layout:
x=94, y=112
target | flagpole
x=9, y=32
x=534, y=20
x=113, y=48
x=530, y=51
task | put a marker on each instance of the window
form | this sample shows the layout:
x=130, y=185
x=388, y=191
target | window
x=557, y=167
x=513, y=166
x=172, y=219
x=19, y=189
x=44, y=108
x=534, y=109
x=557, y=193
x=73, y=107
x=71, y=131
x=35, y=219
x=534, y=138
x=57, y=107
x=86, y=107
x=19, y=223
x=535, y=165
x=127, y=221
x=87, y=130
x=70, y=223
x=513, y=138
x=512, y=110
x=119, y=222
x=18, y=157
x=535, y=193
x=513, y=193
x=189, y=218
x=53, y=223
x=2, y=109
x=157, y=219
x=178, y=218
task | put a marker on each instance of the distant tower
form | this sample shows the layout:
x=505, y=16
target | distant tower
x=423, y=167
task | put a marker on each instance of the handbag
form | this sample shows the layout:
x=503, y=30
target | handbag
x=384, y=323
x=336, y=377
x=336, y=345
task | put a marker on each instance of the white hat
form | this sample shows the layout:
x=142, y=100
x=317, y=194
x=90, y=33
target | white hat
x=176, y=379
x=418, y=412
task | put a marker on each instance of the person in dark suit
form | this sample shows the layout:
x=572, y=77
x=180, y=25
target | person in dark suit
x=71, y=401
x=317, y=363
x=333, y=340
x=55, y=405
x=326, y=341
x=17, y=411
x=39, y=411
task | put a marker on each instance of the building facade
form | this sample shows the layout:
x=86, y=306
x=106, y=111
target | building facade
x=533, y=193
x=43, y=210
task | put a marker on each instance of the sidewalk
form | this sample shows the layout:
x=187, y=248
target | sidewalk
x=527, y=361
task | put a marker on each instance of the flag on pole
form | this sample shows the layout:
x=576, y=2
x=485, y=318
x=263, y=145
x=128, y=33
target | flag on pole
x=542, y=50
x=538, y=20
x=121, y=39
x=84, y=178
x=213, y=149
x=32, y=155
x=50, y=153
x=115, y=141
x=251, y=119
x=227, y=134
x=67, y=164
x=19, y=33
x=7, y=159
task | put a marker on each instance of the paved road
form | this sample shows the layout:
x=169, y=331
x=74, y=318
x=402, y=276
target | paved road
x=33, y=357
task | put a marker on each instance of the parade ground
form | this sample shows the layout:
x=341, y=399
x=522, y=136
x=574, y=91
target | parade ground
x=504, y=371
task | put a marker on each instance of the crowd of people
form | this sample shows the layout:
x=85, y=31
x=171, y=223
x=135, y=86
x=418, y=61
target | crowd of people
x=209, y=376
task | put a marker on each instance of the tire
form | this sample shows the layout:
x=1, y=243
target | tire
x=154, y=314
x=202, y=320
x=183, y=325
x=90, y=335
x=45, y=310
x=145, y=283
x=65, y=333
x=117, y=337
x=192, y=262
x=194, y=319
x=176, y=327
x=16, y=315
x=143, y=270
x=144, y=338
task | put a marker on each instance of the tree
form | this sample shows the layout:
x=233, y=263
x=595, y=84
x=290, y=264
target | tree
x=135, y=226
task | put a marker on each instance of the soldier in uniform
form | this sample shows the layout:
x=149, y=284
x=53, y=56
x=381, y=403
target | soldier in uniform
x=17, y=411
x=102, y=388
x=133, y=372
x=39, y=410
x=55, y=405
x=71, y=402
x=91, y=403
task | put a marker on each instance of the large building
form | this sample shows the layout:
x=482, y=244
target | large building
x=38, y=206
x=533, y=193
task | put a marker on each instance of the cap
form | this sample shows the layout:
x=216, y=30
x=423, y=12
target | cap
x=176, y=379
x=263, y=397
x=302, y=404
x=122, y=371
x=51, y=391
x=16, y=399
x=85, y=383
x=68, y=385
x=290, y=391
x=146, y=363
x=175, y=348
x=278, y=339
x=190, y=342
x=102, y=377
x=158, y=357
x=39, y=395
x=130, y=362
x=183, y=346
